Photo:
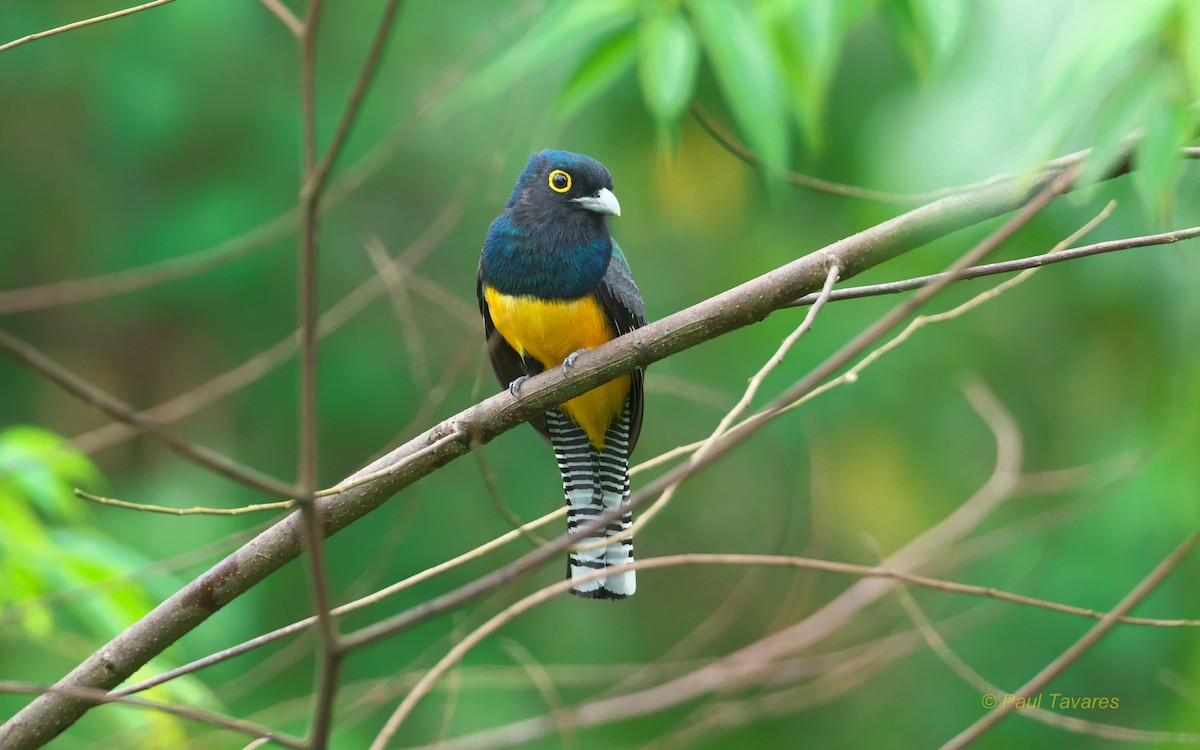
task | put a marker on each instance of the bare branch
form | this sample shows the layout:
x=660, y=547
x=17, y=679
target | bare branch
x=184, y=712
x=286, y=16
x=76, y=291
x=81, y=24
x=748, y=661
x=194, y=511
x=315, y=180
x=460, y=649
x=310, y=514
x=1068, y=723
x=35, y=360
x=730, y=143
x=394, y=277
x=737, y=148
x=733, y=309
x=1009, y=266
x=342, y=312
x=497, y=497
x=738, y=409
x=1077, y=649
x=353, y=606
x=544, y=683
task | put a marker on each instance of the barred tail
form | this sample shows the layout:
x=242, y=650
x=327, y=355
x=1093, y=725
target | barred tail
x=595, y=481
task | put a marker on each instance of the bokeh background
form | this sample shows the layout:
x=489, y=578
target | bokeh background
x=175, y=133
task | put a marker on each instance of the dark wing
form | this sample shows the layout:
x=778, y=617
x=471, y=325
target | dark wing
x=622, y=303
x=506, y=363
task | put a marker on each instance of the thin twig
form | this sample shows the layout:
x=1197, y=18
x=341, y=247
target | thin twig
x=353, y=606
x=1067, y=723
x=285, y=14
x=76, y=291
x=750, y=659
x=310, y=513
x=35, y=360
x=722, y=617
x=315, y=179
x=508, y=537
x=1008, y=266
x=258, y=366
x=739, y=408
x=1077, y=649
x=497, y=497
x=193, y=511
x=184, y=712
x=737, y=148
x=81, y=24
x=449, y=705
x=730, y=440
x=455, y=654
x=395, y=279
x=851, y=375
x=730, y=310
x=721, y=441
x=544, y=683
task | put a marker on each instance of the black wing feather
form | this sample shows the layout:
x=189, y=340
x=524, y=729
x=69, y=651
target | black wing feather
x=622, y=303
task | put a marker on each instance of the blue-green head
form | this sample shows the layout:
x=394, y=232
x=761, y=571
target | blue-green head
x=552, y=238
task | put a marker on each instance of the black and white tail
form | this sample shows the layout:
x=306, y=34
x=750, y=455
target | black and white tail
x=595, y=481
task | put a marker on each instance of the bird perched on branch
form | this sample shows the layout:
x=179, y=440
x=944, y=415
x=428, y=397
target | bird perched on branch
x=553, y=284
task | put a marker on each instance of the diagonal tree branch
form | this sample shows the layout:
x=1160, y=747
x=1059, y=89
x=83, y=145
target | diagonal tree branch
x=938, y=645
x=1077, y=649
x=1006, y=266
x=319, y=174
x=340, y=313
x=731, y=440
x=80, y=24
x=183, y=712
x=35, y=360
x=740, y=306
x=77, y=291
x=285, y=16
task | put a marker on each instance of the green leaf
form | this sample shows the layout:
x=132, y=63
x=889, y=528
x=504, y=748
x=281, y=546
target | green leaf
x=808, y=45
x=667, y=68
x=1121, y=113
x=596, y=74
x=45, y=469
x=927, y=30
x=85, y=557
x=739, y=50
x=1097, y=35
x=1188, y=29
x=1168, y=126
x=566, y=27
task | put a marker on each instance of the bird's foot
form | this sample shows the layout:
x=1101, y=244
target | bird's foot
x=515, y=387
x=569, y=362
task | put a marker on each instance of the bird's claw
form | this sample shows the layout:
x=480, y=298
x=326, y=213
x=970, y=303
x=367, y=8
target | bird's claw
x=515, y=387
x=569, y=362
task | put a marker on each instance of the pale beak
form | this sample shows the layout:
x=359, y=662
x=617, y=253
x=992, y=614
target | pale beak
x=603, y=202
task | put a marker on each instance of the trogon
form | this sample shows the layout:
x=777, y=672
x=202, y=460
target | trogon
x=552, y=284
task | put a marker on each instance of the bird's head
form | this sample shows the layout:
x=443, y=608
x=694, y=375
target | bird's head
x=560, y=185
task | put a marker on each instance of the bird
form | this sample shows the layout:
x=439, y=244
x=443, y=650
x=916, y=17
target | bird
x=553, y=284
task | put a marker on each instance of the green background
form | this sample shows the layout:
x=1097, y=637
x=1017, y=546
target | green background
x=169, y=132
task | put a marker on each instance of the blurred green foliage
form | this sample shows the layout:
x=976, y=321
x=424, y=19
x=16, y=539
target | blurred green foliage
x=166, y=133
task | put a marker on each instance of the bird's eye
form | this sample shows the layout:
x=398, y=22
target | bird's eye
x=560, y=181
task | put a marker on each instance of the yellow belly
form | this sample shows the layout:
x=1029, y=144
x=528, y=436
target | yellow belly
x=549, y=331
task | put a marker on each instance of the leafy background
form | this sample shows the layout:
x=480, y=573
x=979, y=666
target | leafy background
x=166, y=133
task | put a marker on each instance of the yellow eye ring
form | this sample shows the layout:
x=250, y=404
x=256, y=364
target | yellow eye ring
x=560, y=181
